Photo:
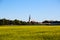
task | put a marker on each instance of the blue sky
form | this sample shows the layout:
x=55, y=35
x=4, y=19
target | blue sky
x=38, y=9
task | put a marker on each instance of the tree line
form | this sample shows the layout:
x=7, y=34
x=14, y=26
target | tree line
x=46, y=22
x=16, y=22
x=19, y=22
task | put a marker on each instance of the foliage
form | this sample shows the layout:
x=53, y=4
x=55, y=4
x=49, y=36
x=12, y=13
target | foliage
x=19, y=22
x=15, y=22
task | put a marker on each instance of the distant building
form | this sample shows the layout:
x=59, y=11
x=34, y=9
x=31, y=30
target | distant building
x=29, y=18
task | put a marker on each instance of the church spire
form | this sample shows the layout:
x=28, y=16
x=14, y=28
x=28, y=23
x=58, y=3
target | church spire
x=29, y=18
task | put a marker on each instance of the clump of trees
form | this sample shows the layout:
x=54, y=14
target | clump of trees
x=16, y=22
x=46, y=22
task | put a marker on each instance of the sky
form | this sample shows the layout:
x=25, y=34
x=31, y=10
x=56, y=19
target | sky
x=39, y=10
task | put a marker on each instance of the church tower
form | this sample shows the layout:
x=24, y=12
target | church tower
x=29, y=18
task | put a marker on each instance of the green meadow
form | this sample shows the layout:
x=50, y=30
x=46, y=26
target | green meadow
x=32, y=32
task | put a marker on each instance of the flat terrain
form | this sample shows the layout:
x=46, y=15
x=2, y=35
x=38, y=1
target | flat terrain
x=30, y=32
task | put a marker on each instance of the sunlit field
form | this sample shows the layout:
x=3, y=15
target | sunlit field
x=33, y=32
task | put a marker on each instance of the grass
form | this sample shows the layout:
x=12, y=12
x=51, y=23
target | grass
x=30, y=32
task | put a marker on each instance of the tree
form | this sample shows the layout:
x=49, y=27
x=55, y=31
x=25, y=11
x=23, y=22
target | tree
x=16, y=22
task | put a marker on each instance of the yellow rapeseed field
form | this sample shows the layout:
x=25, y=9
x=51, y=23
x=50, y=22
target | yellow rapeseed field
x=30, y=32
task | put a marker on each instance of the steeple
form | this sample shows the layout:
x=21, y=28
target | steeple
x=29, y=18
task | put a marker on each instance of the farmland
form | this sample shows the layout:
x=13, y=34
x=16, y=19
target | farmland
x=32, y=32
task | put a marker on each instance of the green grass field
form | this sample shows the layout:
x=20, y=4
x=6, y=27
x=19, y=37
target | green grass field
x=30, y=32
